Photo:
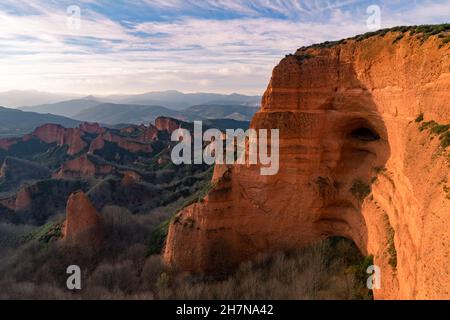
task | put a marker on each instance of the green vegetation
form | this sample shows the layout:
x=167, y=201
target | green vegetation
x=398, y=38
x=359, y=270
x=48, y=233
x=300, y=57
x=380, y=170
x=442, y=31
x=445, y=139
x=119, y=269
x=419, y=118
x=390, y=243
x=16, y=123
x=447, y=191
x=159, y=234
x=441, y=130
x=427, y=125
x=158, y=237
x=360, y=189
x=199, y=195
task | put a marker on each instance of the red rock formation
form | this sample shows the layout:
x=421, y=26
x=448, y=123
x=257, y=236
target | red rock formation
x=123, y=142
x=91, y=128
x=48, y=133
x=73, y=139
x=346, y=116
x=130, y=177
x=141, y=133
x=8, y=142
x=54, y=133
x=83, y=167
x=82, y=219
x=167, y=124
x=23, y=199
x=149, y=133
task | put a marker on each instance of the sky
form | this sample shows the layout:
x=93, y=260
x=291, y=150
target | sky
x=134, y=46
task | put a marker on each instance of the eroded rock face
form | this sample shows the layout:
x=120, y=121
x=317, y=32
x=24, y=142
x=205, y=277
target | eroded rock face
x=130, y=177
x=53, y=133
x=353, y=163
x=124, y=143
x=6, y=143
x=167, y=124
x=82, y=219
x=83, y=166
x=92, y=128
x=23, y=199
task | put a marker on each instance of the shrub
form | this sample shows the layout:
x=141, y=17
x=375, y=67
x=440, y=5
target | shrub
x=445, y=139
x=390, y=243
x=319, y=271
x=419, y=118
x=440, y=128
x=360, y=189
x=50, y=232
x=427, y=125
x=443, y=130
x=398, y=38
x=359, y=271
x=158, y=237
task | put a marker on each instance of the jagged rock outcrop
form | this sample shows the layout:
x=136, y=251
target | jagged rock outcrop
x=130, y=177
x=53, y=133
x=167, y=124
x=353, y=163
x=131, y=145
x=23, y=199
x=82, y=219
x=142, y=133
x=83, y=166
x=93, y=128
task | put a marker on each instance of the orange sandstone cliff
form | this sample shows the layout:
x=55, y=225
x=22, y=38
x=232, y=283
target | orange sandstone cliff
x=356, y=160
x=82, y=219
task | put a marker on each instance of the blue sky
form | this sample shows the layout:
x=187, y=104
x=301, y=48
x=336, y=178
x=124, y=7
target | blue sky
x=190, y=45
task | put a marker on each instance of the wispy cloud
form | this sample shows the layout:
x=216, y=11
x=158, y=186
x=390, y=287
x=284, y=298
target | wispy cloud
x=190, y=45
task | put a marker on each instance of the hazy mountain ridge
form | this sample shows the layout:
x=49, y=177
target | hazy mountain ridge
x=112, y=114
x=16, y=122
x=19, y=98
x=71, y=105
x=179, y=101
x=67, y=108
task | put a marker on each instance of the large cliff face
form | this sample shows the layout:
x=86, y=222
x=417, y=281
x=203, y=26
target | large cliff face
x=353, y=163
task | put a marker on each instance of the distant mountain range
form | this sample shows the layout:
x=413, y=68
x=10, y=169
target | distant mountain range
x=172, y=99
x=16, y=122
x=67, y=108
x=109, y=113
x=126, y=109
x=178, y=101
x=19, y=98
